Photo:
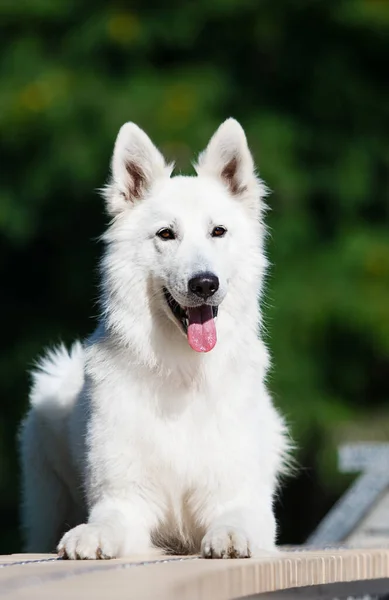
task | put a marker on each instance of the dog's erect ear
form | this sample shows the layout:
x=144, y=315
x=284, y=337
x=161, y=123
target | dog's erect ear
x=136, y=165
x=228, y=158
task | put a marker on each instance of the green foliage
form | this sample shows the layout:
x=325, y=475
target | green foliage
x=308, y=81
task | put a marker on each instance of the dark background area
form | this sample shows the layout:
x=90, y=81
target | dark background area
x=308, y=80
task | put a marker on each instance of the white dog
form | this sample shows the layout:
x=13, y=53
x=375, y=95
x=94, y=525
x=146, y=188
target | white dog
x=158, y=432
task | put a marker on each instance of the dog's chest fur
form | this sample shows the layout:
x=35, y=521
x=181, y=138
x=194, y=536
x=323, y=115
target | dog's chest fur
x=179, y=437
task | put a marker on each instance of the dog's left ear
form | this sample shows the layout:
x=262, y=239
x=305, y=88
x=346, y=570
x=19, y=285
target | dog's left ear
x=228, y=158
x=136, y=165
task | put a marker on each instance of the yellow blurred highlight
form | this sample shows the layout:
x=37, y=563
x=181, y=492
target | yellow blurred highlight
x=180, y=103
x=35, y=97
x=377, y=263
x=124, y=28
x=38, y=95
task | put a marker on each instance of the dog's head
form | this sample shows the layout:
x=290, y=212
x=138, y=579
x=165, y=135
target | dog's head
x=194, y=237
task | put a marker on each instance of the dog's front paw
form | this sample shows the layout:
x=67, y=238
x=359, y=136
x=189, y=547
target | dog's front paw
x=225, y=542
x=87, y=542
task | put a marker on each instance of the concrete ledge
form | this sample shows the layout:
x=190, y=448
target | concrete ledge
x=25, y=576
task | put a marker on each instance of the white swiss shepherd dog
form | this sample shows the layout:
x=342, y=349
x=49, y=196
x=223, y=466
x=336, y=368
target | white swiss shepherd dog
x=158, y=434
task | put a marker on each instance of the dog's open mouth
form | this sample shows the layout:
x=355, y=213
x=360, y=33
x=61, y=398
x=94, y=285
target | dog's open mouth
x=197, y=322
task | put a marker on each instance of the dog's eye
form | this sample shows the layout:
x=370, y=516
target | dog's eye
x=219, y=231
x=166, y=234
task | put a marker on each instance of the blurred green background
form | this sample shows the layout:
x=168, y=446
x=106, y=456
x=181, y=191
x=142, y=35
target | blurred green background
x=309, y=82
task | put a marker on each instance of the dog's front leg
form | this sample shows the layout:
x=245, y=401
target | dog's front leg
x=115, y=528
x=240, y=529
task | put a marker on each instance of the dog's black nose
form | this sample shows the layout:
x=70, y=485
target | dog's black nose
x=204, y=285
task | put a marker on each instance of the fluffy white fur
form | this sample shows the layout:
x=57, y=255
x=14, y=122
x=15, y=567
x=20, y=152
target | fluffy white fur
x=134, y=439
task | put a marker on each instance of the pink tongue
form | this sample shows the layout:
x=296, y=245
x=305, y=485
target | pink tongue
x=201, y=328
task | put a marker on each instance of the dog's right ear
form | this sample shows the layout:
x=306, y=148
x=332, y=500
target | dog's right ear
x=136, y=165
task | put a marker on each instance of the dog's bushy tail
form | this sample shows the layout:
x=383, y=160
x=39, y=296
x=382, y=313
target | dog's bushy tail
x=58, y=376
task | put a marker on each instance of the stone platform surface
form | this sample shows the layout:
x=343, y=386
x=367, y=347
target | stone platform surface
x=45, y=577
